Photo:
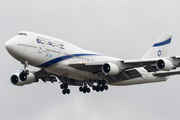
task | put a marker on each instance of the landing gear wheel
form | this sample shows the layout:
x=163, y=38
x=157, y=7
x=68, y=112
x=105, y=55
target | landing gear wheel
x=65, y=85
x=88, y=90
x=101, y=88
x=97, y=89
x=64, y=91
x=22, y=76
x=100, y=82
x=106, y=87
x=84, y=90
x=62, y=86
x=80, y=89
x=103, y=82
x=94, y=87
x=26, y=72
x=68, y=91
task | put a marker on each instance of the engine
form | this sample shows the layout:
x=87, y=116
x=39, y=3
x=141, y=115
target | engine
x=164, y=64
x=110, y=69
x=15, y=79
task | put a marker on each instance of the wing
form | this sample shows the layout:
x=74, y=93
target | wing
x=128, y=67
x=149, y=64
x=96, y=68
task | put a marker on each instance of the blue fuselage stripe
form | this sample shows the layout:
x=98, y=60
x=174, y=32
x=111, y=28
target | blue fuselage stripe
x=59, y=59
x=162, y=43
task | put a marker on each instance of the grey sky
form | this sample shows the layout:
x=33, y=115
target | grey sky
x=120, y=28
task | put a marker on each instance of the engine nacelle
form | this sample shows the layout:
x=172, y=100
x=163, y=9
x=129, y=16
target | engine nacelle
x=110, y=69
x=164, y=64
x=16, y=80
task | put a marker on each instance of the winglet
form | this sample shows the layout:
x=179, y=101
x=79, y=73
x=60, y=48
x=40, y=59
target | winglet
x=160, y=47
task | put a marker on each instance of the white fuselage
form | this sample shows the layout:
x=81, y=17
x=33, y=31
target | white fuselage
x=54, y=56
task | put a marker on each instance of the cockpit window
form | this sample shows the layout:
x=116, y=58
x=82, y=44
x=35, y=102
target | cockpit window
x=22, y=34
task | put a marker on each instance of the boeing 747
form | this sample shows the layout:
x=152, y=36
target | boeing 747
x=60, y=61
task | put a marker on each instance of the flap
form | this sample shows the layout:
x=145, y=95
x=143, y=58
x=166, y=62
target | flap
x=178, y=57
x=45, y=76
x=93, y=67
x=141, y=62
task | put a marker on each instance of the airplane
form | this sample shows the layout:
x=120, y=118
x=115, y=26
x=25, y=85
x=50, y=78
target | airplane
x=63, y=62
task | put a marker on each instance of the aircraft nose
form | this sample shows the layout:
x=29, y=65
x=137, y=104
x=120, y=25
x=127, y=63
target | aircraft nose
x=8, y=46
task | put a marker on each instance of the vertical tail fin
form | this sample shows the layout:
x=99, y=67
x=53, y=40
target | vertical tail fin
x=160, y=48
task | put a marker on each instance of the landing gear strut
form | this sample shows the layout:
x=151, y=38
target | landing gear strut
x=101, y=86
x=65, y=89
x=84, y=88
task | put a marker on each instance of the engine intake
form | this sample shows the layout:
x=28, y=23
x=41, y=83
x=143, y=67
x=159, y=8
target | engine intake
x=164, y=64
x=110, y=69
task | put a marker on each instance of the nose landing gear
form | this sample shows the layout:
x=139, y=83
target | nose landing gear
x=23, y=75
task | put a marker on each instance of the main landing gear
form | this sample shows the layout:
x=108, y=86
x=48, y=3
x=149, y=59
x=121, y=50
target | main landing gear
x=101, y=86
x=84, y=89
x=65, y=89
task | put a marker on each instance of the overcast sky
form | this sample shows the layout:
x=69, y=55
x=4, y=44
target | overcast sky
x=124, y=29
